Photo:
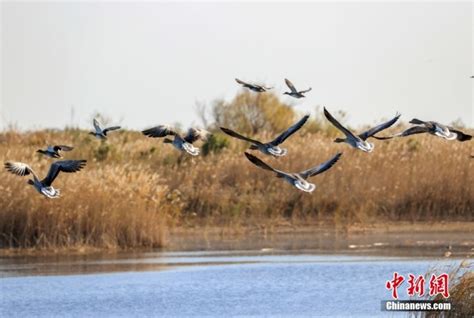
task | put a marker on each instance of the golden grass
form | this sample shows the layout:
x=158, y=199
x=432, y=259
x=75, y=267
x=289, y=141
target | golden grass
x=134, y=188
x=461, y=291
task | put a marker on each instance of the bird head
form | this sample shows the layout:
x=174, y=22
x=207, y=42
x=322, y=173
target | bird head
x=30, y=182
x=339, y=140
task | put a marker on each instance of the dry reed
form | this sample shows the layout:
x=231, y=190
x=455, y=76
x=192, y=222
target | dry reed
x=461, y=291
x=135, y=188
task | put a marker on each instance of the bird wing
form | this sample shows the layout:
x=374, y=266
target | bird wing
x=460, y=135
x=64, y=166
x=239, y=136
x=195, y=134
x=372, y=131
x=241, y=82
x=62, y=148
x=106, y=130
x=320, y=168
x=259, y=163
x=290, y=86
x=290, y=131
x=414, y=130
x=97, y=127
x=159, y=131
x=410, y=131
x=338, y=125
x=19, y=168
x=417, y=122
x=305, y=91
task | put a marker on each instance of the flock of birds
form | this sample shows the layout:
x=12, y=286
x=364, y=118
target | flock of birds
x=185, y=143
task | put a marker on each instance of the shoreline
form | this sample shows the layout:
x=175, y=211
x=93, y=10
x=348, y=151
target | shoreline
x=434, y=238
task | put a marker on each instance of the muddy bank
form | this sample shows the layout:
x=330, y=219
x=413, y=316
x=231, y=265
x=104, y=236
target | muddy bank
x=218, y=246
x=388, y=239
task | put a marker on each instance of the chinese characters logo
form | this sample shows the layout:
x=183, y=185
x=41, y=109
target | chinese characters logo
x=438, y=285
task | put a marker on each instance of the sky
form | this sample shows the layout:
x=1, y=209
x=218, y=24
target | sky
x=143, y=64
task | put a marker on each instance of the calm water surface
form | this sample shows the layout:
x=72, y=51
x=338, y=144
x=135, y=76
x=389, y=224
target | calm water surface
x=217, y=283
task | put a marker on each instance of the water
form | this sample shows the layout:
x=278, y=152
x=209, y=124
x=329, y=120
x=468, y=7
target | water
x=218, y=284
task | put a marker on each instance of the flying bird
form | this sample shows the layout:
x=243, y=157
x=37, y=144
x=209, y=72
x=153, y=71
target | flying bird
x=253, y=87
x=54, y=151
x=101, y=133
x=298, y=179
x=293, y=91
x=182, y=143
x=45, y=186
x=433, y=128
x=359, y=141
x=270, y=148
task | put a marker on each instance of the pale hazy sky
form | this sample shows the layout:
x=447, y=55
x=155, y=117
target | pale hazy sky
x=149, y=63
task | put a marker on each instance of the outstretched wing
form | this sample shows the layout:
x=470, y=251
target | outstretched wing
x=338, y=125
x=195, y=134
x=261, y=164
x=159, y=131
x=106, y=130
x=241, y=82
x=97, y=127
x=305, y=91
x=64, y=166
x=62, y=148
x=290, y=131
x=239, y=136
x=372, y=131
x=321, y=168
x=414, y=130
x=290, y=86
x=410, y=131
x=18, y=168
x=417, y=121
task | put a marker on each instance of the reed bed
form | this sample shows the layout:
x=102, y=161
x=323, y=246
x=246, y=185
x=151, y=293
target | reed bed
x=460, y=290
x=135, y=188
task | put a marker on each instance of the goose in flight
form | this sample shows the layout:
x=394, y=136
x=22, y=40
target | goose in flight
x=182, y=143
x=433, y=128
x=298, y=179
x=45, y=186
x=253, y=87
x=53, y=151
x=270, y=148
x=101, y=133
x=293, y=92
x=359, y=141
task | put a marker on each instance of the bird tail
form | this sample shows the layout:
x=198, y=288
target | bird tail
x=306, y=187
x=193, y=151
